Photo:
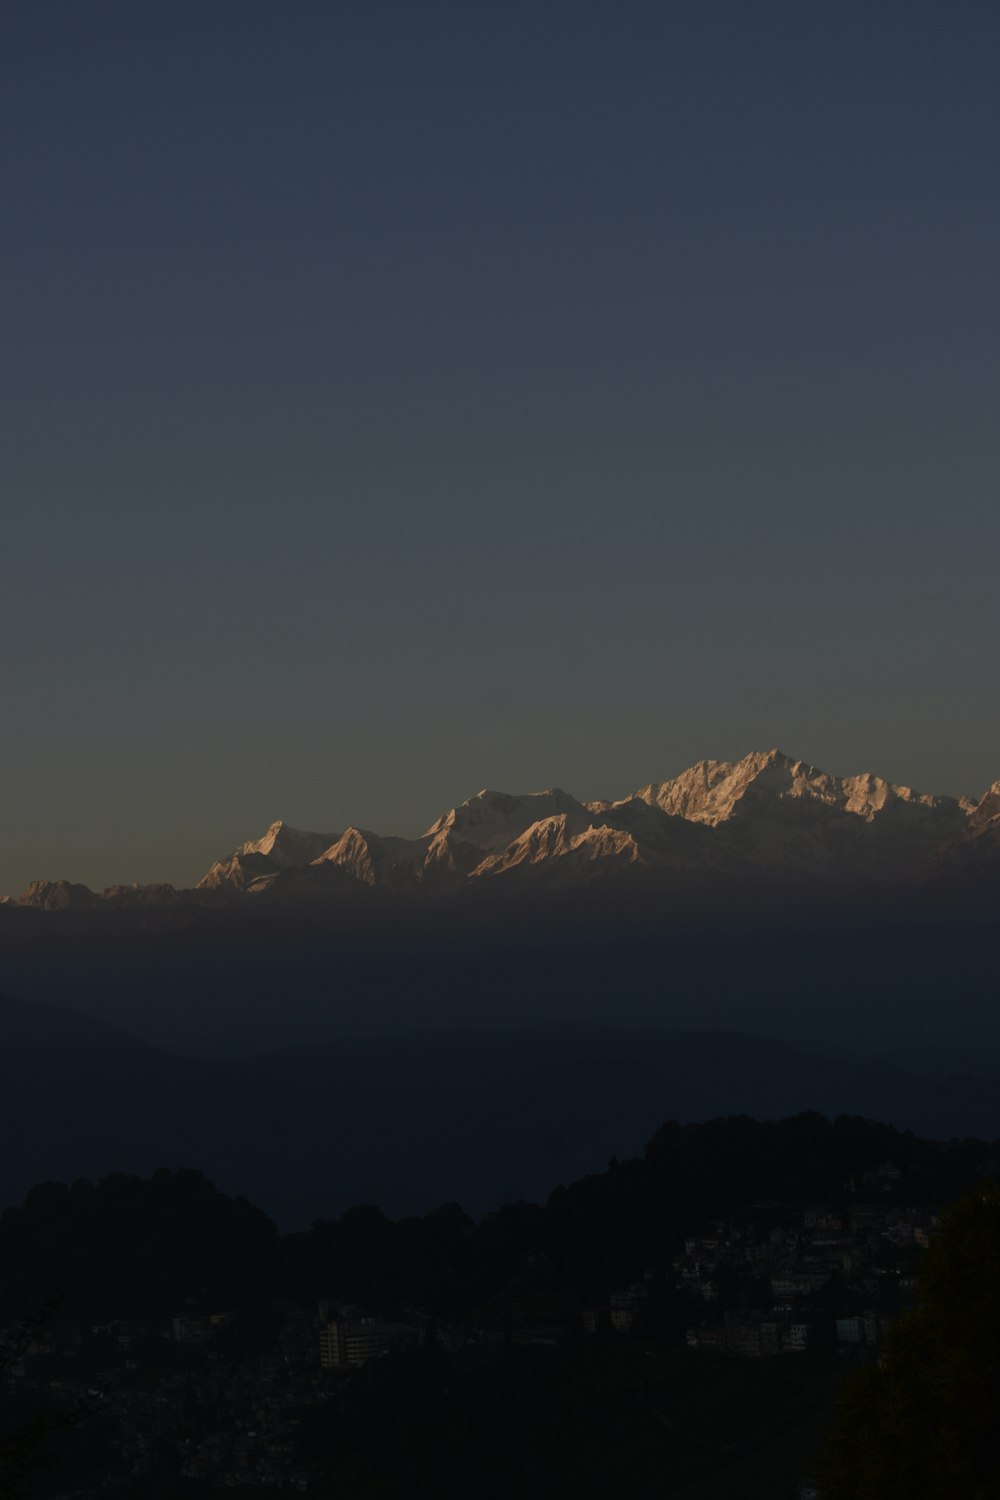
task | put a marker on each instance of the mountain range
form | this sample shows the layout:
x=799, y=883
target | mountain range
x=766, y=816
x=234, y=1024
x=407, y=1121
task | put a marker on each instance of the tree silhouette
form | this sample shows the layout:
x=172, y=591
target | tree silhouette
x=923, y=1423
x=22, y=1450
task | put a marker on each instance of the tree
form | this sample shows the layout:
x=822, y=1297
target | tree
x=22, y=1450
x=923, y=1424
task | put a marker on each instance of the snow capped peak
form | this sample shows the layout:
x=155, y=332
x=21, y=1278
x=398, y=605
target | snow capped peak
x=767, y=810
x=491, y=820
x=288, y=846
x=281, y=847
x=390, y=862
x=764, y=758
x=761, y=783
x=986, y=812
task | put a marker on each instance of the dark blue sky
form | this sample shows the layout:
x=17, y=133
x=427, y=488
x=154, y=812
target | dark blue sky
x=400, y=398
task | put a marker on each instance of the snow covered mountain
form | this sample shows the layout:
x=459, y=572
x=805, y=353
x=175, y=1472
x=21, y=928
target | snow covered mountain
x=254, y=864
x=715, y=791
x=774, y=812
x=765, y=815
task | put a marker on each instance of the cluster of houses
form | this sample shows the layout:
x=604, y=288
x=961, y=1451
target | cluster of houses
x=830, y=1276
x=769, y=1281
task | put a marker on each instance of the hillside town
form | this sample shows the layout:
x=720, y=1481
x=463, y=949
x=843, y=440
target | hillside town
x=220, y=1399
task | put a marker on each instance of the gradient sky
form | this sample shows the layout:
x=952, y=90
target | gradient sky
x=402, y=398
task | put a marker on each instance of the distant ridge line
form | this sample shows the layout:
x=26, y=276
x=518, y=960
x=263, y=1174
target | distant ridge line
x=766, y=814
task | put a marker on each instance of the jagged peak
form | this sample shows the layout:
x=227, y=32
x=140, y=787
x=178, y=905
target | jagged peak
x=284, y=843
x=773, y=757
x=986, y=812
x=280, y=829
x=759, y=761
x=491, y=819
x=713, y=791
x=782, y=808
x=280, y=847
x=355, y=837
x=57, y=895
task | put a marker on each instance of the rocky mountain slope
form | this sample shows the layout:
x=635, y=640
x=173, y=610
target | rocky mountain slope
x=765, y=815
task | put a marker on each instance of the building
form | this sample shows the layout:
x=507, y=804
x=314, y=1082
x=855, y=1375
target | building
x=800, y=1335
x=344, y=1345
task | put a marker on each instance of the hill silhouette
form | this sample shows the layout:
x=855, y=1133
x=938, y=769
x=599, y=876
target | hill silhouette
x=407, y=1120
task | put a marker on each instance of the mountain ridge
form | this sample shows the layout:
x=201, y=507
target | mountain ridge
x=467, y=1113
x=766, y=814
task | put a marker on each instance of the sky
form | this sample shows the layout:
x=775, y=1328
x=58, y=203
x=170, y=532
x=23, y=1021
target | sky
x=398, y=399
